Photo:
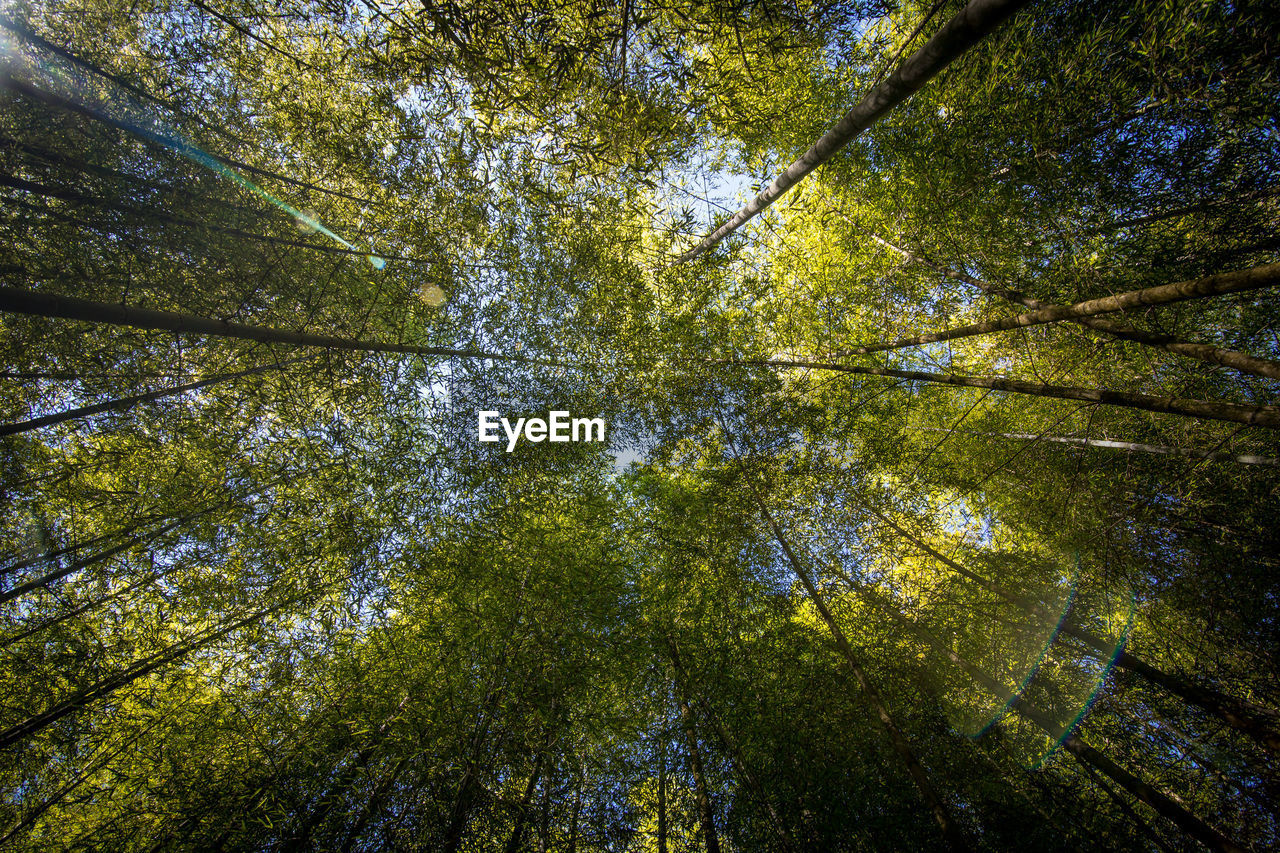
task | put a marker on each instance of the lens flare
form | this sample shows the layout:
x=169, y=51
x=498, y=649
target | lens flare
x=433, y=295
x=1104, y=671
x=54, y=78
x=1034, y=668
x=1013, y=647
x=1054, y=665
x=304, y=222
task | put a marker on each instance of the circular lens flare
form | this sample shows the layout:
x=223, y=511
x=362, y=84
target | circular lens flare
x=1013, y=646
x=432, y=295
x=1034, y=668
x=1104, y=670
x=1054, y=665
x=307, y=221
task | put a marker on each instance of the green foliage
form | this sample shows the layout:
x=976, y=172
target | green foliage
x=304, y=608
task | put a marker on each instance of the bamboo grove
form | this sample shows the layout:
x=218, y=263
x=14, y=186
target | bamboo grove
x=937, y=344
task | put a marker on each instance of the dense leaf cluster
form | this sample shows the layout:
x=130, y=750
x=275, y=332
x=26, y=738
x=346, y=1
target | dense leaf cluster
x=821, y=589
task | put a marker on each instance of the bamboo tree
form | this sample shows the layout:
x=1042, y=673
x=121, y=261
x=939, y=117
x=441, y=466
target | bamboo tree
x=1204, y=352
x=1158, y=800
x=76, y=565
x=134, y=538
x=977, y=20
x=702, y=791
x=96, y=764
x=35, y=39
x=18, y=301
x=108, y=202
x=142, y=214
x=1124, y=806
x=730, y=745
x=941, y=814
x=541, y=163
x=1258, y=723
x=300, y=839
x=63, y=551
x=662, y=796
x=522, y=809
x=105, y=687
x=1233, y=282
x=1268, y=416
x=144, y=133
x=126, y=403
x=374, y=804
x=1132, y=446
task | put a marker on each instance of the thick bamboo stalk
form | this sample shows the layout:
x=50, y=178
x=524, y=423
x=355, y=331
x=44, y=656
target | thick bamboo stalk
x=155, y=137
x=1258, y=723
x=18, y=301
x=730, y=743
x=1240, y=413
x=702, y=792
x=950, y=829
x=125, y=403
x=105, y=687
x=969, y=26
x=301, y=838
x=1242, y=362
x=1161, y=802
x=75, y=566
x=1137, y=447
x=1238, y=281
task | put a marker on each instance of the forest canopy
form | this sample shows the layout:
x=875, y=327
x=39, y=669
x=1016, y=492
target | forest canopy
x=938, y=348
